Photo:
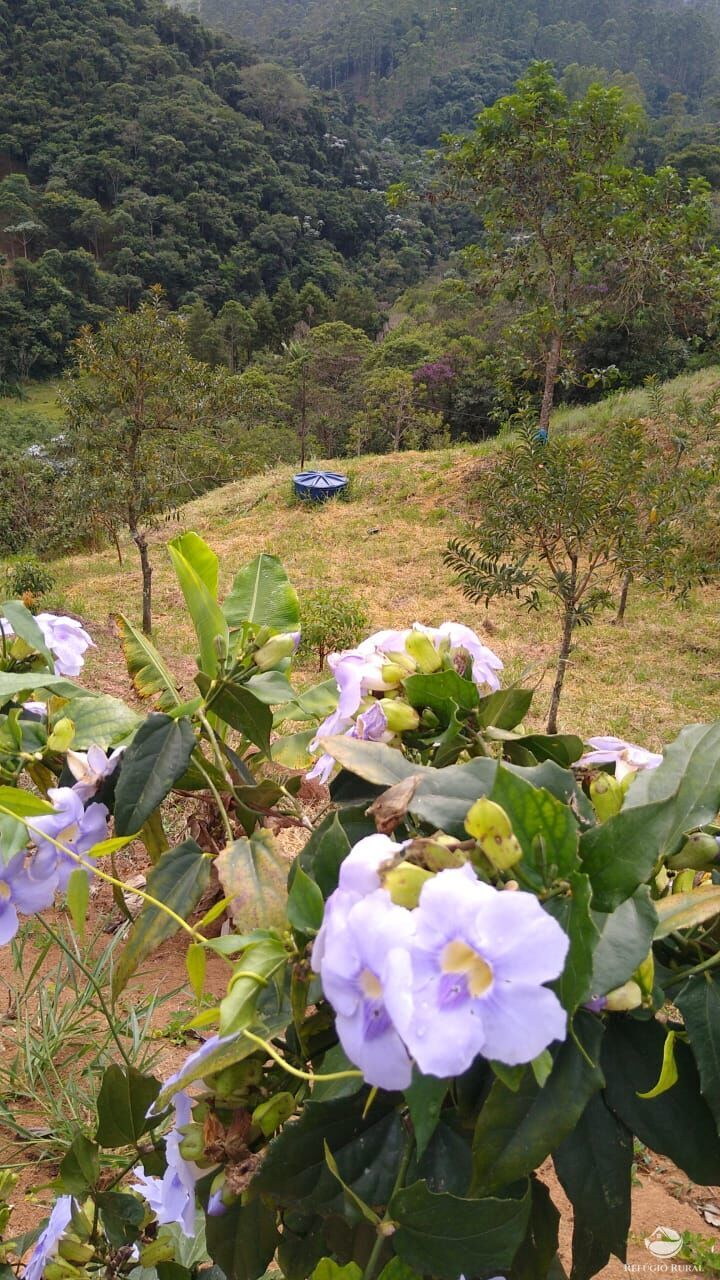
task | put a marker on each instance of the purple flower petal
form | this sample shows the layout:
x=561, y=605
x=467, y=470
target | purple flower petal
x=48, y=1240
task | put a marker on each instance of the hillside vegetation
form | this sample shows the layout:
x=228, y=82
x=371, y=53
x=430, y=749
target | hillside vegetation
x=643, y=680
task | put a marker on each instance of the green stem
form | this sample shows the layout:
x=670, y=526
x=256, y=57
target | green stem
x=372, y=1261
x=695, y=969
x=75, y=959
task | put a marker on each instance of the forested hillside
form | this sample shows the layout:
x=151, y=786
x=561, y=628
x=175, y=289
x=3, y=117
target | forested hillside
x=138, y=148
x=426, y=67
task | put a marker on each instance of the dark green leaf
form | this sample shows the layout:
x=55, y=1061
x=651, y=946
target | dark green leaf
x=271, y=687
x=121, y=1216
x=100, y=720
x=539, y=1248
x=699, y=1003
x=515, y=1132
x=573, y=915
x=80, y=1168
x=563, y=748
x=625, y=939
x=425, y=1098
x=261, y=594
x=325, y=851
x=35, y=682
x=241, y=709
x=326, y=1090
x=305, y=904
x=594, y=1165
x=242, y=1242
x=678, y=1123
x=544, y=826
x=438, y=690
x=505, y=708
x=124, y=1099
x=446, y=1236
x=157, y=757
x=178, y=880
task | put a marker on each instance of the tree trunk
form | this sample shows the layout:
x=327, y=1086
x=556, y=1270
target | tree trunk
x=552, y=365
x=141, y=543
x=303, y=420
x=563, y=659
x=619, y=618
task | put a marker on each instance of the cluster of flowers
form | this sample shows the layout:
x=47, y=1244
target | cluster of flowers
x=380, y=665
x=460, y=974
x=29, y=881
x=627, y=757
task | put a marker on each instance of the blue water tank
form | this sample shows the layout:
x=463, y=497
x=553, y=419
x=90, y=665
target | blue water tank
x=318, y=486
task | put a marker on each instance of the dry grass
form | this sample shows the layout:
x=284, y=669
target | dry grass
x=643, y=681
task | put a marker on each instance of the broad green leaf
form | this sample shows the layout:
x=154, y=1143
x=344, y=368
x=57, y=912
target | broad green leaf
x=80, y=1168
x=699, y=1003
x=242, y=1241
x=124, y=1100
x=373, y=761
x=545, y=827
x=196, y=965
x=668, y=1071
x=271, y=687
x=619, y=855
x=516, y=1131
x=438, y=690
x=100, y=721
x=563, y=748
x=147, y=669
x=625, y=938
x=253, y=874
x=263, y=596
x=425, y=1098
x=686, y=910
x=689, y=777
x=13, y=837
x=20, y=803
x=336, y=1060
x=25, y=626
x=325, y=852
x=594, y=1165
x=292, y=752
x=505, y=708
x=262, y=965
x=679, y=1124
x=36, y=683
x=196, y=568
x=305, y=903
x=315, y=703
x=239, y=708
x=573, y=914
x=328, y=1269
x=121, y=1217
x=360, y=1205
x=178, y=881
x=539, y=1248
x=77, y=898
x=157, y=757
x=446, y=1236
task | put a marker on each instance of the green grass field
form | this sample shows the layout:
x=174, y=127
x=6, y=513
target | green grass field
x=31, y=418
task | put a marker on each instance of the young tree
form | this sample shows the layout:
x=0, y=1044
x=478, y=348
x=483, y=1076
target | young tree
x=572, y=235
x=144, y=425
x=235, y=330
x=562, y=520
x=392, y=417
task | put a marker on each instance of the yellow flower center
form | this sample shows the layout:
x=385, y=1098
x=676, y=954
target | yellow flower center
x=458, y=957
x=370, y=986
x=5, y=893
x=69, y=834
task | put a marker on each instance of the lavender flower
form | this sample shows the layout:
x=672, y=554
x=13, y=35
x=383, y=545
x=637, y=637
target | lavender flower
x=172, y=1197
x=48, y=1240
x=626, y=756
x=199, y=1055
x=361, y=945
x=66, y=640
x=91, y=768
x=478, y=958
x=370, y=726
x=72, y=825
x=21, y=891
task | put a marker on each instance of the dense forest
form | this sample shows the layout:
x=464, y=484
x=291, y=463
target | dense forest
x=139, y=148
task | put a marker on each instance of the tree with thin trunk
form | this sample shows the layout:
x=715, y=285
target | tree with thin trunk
x=145, y=426
x=560, y=522
x=574, y=237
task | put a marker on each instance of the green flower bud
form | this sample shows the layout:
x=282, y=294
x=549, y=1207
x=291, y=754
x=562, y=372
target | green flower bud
x=275, y=649
x=684, y=881
x=644, y=975
x=158, y=1251
x=487, y=823
x=240, y=1076
x=403, y=660
x=192, y=1146
x=405, y=882
x=400, y=716
x=628, y=996
x=422, y=649
x=74, y=1251
x=270, y=1115
x=393, y=674
x=607, y=796
x=429, y=718
x=700, y=851
x=62, y=735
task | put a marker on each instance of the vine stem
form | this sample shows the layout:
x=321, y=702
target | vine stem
x=376, y=1250
x=295, y=1071
x=103, y=875
x=75, y=959
x=697, y=968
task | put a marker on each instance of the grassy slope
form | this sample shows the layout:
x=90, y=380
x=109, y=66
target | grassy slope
x=642, y=681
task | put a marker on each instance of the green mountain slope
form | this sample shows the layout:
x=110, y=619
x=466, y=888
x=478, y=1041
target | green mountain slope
x=137, y=147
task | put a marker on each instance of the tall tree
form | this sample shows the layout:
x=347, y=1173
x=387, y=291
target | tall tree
x=144, y=424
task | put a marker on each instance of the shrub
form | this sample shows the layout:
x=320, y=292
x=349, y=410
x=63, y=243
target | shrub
x=331, y=620
x=28, y=577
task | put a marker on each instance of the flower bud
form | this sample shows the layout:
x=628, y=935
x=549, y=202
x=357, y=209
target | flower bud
x=628, y=996
x=59, y=1269
x=700, y=850
x=270, y=1115
x=192, y=1146
x=429, y=719
x=490, y=826
x=644, y=975
x=62, y=735
x=421, y=648
x=220, y=647
x=275, y=649
x=393, y=674
x=74, y=1251
x=607, y=796
x=684, y=881
x=403, y=660
x=158, y=1251
x=400, y=716
x=405, y=882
